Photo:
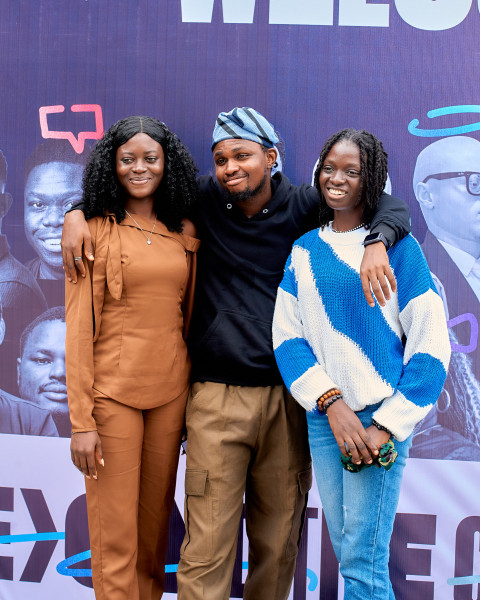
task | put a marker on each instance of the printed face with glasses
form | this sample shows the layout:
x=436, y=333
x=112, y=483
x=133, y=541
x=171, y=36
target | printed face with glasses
x=472, y=180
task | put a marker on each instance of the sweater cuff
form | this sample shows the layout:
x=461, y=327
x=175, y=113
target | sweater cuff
x=308, y=388
x=400, y=415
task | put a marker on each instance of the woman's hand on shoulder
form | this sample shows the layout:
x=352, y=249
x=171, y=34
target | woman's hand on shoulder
x=350, y=434
x=86, y=449
x=189, y=228
x=75, y=234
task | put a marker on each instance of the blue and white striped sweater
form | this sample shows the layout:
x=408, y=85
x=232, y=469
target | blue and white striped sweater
x=325, y=335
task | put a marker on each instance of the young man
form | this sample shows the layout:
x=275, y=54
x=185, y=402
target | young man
x=41, y=373
x=246, y=435
x=53, y=183
x=21, y=299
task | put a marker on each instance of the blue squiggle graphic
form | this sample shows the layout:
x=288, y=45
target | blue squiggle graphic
x=440, y=112
x=463, y=580
x=63, y=567
x=171, y=568
x=312, y=585
x=32, y=537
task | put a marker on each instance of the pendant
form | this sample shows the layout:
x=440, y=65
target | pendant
x=149, y=242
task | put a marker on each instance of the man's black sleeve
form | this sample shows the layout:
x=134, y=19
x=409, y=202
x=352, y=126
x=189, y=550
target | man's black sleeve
x=76, y=206
x=392, y=218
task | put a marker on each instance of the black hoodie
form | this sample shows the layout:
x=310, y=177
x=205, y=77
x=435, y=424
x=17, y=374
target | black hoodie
x=240, y=265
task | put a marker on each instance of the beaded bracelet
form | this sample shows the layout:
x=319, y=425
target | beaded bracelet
x=329, y=402
x=381, y=427
x=326, y=397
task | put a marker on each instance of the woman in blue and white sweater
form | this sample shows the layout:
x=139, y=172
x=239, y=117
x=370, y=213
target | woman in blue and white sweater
x=365, y=375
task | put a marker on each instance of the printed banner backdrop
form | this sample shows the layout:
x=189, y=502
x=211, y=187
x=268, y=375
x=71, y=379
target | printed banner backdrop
x=407, y=70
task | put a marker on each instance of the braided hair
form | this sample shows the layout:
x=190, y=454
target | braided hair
x=174, y=196
x=374, y=166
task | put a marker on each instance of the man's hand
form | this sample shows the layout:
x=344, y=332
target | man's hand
x=350, y=434
x=85, y=447
x=75, y=234
x=374, y=272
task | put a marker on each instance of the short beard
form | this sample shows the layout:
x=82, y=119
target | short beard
x=247, y=193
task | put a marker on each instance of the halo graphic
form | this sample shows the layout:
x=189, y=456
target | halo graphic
x=447, y=131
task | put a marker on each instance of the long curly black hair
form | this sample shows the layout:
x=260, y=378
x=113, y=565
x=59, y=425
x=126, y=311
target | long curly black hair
x=177, y=191
x=374, y=168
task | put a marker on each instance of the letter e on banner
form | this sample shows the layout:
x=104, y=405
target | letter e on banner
x=6, y=504
x=412, y=529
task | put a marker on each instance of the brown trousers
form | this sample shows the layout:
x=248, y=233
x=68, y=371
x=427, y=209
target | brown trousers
x=129, y=505
x=252, y=441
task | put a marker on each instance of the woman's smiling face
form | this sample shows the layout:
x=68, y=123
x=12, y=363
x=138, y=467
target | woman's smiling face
x=140, y=164
x=340, y=178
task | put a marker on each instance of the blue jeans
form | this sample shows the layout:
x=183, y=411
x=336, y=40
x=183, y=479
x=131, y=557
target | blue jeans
x=359, y=509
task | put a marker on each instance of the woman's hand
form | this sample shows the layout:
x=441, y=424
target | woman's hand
x=378, y=436
x=374, y=272
x=350, y=433
x=75, y=234
x=85, y=447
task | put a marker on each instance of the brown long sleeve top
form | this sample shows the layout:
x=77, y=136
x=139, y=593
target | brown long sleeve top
x=127, y=319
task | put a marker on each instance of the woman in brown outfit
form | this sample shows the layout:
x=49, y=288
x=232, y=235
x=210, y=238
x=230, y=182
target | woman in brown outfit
x=127, y=362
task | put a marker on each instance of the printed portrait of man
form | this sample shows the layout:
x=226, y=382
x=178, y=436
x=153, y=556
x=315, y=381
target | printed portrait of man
x=21, y=299
x=446, y=183
x=41, y=373
x=53, y=182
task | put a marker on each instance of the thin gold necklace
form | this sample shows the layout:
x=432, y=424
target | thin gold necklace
x=149, y=241
x=348, y=230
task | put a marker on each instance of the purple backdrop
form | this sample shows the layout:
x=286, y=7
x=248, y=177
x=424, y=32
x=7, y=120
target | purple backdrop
x=311, y=67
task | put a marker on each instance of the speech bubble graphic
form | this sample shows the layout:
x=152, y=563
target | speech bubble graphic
x=472, y=345
x=78, y=144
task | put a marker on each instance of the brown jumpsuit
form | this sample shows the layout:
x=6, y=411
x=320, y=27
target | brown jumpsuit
x=128, y=377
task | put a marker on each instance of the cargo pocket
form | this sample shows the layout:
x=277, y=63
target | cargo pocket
x=197, y=545
x=304, y=483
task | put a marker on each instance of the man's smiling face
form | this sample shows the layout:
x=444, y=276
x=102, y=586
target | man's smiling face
x=242, y=167
x=50, y=190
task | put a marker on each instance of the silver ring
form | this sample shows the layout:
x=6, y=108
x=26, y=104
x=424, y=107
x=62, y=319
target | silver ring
x=77, y=258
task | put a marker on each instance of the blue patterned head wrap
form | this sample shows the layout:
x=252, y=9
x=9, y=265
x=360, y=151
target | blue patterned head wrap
x=244, y=124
